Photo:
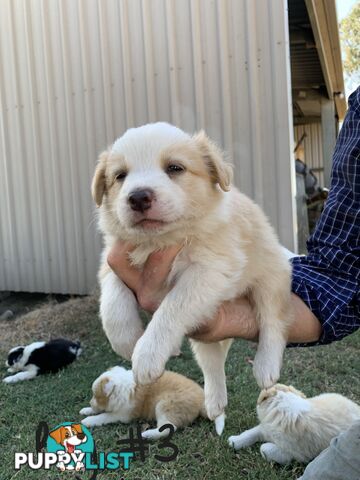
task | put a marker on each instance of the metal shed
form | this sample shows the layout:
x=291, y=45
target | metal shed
x=76, y=74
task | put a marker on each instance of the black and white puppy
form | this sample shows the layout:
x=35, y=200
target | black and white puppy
x=40, y=357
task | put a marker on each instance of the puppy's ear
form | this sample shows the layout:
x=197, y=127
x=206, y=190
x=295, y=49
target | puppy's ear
x=265, y=394
x=15, y=354
x=98, y=184
x=58, y=435
x=77, y=427
x=296, y=392
x=107, y=386
x=220, y=171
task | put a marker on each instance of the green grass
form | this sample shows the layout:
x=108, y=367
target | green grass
x=203, y=455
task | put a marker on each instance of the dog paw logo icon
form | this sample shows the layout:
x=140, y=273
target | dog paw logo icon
x=71, y=442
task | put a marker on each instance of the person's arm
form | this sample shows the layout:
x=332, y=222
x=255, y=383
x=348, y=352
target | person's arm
x=234, y=319
x=327, y=278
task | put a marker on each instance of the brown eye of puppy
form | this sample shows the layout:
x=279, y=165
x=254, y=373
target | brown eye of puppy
x=120, y=176
x=174, y=168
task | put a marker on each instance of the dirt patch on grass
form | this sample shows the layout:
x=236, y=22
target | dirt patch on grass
x=72, y=319
x=14, y=304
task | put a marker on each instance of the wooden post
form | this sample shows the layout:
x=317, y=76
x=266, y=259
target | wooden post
x=328, y=128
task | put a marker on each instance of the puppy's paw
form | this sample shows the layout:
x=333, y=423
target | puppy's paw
x=155, y=434
x=266, y=371
x=266, y=451
x=10, y=379
x=86, y=411
x=147, y=370
x=215, y=403
x=220, y=423
x=272, y=453
x=91, y=422
x=235, y=441
x=152, y=434
x=147, y=362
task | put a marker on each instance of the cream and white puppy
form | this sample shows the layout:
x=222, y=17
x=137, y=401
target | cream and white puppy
x=173, y=399
x=295, y=427
x=158, y=186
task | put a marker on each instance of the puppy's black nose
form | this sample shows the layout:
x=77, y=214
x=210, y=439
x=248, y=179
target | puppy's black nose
x=140, y=200
x=80, y=435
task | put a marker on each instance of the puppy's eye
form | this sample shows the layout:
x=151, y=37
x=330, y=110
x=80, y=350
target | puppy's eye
x=121, y=175
x=174, y=168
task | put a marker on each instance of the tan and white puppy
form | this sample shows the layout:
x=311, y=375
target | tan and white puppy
x=295, y=427
x=158, y=186
x=172, y=399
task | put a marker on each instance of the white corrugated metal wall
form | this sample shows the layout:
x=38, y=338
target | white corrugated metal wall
x=312, y=147
x=75, y=74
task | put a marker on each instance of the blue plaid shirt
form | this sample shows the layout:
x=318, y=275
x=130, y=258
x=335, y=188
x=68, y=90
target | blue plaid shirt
x=328, y=278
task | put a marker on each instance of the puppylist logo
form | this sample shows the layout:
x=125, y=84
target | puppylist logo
x=71, y=447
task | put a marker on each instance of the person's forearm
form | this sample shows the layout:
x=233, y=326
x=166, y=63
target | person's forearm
x=305, y=328
x=237, y=319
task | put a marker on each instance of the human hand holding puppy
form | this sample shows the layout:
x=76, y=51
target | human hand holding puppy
x=234, y=318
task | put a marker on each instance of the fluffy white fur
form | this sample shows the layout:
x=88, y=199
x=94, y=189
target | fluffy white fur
x=295, y=427
x=228, y=249
x=173, y=399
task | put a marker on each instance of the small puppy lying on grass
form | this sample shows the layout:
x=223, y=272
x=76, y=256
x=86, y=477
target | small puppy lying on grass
x=27, y=362
x=296, y=427
x=172, y=399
